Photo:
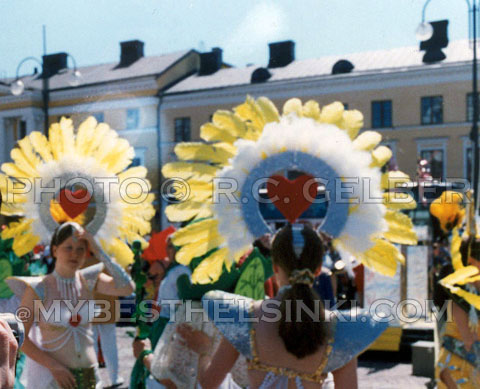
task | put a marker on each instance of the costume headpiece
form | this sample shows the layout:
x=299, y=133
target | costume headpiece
x=249, y=146
x=455, y=212
x=298, y=241
x=113, y=202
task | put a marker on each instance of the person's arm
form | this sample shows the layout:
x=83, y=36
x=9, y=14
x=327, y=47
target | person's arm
x=60, y=373
x=346, y=376
x=461, y=320
x=118, y=283
x=212, y=369
x=8, y=356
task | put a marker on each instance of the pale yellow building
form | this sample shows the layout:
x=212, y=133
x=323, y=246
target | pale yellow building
x=125, y=94
x=388, y=87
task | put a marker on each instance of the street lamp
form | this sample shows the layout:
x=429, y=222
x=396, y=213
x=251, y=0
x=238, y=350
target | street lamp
x=50, y=65
x=424, y=32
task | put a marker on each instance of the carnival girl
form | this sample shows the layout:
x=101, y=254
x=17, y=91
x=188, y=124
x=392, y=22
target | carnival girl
x=458, y=364
x=59, y=338
x=284, y=353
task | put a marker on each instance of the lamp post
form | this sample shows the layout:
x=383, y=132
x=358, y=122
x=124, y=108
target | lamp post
x=50, y=66
x=424, y=32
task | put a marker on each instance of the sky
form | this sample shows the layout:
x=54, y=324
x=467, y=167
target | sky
x=90, y=30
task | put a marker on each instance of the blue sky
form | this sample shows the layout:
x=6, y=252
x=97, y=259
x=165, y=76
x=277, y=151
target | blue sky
x=91, y=30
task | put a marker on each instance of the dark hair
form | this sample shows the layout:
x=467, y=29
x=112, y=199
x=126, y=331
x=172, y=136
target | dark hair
x=470, y=247
x=302, y=335
x=60, y=235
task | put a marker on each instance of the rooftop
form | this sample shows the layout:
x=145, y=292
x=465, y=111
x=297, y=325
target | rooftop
x=96, y=74
x=393, y=60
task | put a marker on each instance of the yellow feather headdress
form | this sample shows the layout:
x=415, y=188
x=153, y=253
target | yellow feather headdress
x=93, y=157
x=254, y=139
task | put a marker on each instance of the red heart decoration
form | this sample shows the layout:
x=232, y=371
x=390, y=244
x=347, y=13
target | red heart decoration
x=74, y=203
x=292, y=197
x=75, y=320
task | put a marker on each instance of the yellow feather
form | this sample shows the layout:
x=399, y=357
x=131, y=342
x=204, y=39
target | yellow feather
x=186, y=211
x=59, y=215
x=199, y=190
x=136, y=224
x=197, y=151
x=449, y=209
x=13, y=170
x=211, y=133
x=56, y=141
x=250, y=111
x=68, y=139
x=106, y=147
x=367, y=141
x=352, y=122
x=28, y=153
x=22, y=163
x=10, y=209
x=187, y=170
x=380, y=156
x=230, y=122
x=455, y=250
x=195, y=232
x=268, y=109
x=197, y=249
x=459, y=275
x=400, y=228
x=41, y=145
x=383, y=257
x=100, y=135
x=120, y=251
x=293, y=106
x=85, y=134
x=398, y=201
x=120, y=157
x=332, y=113
x=16, y=228
x=471, y=298
x=394, y=179
x=311, y=109
x=210, y=268
x=133, y=172
x=23, y=244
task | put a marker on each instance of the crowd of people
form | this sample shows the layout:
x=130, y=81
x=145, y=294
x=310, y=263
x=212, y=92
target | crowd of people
x=64, y=354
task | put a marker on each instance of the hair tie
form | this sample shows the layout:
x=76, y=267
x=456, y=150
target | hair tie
x=298, y=241
x=303, y=276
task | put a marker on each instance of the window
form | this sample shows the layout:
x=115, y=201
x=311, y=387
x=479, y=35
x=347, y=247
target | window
x=436, y=160
x=182, y=129
x=132, y=118
x=432, y=110
x=98, y=117
x=15, y=129
x=139, y=159
x=382, y=114
x=470, y=106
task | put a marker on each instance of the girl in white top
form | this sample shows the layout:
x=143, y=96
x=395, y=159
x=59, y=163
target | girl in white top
x=59, y=338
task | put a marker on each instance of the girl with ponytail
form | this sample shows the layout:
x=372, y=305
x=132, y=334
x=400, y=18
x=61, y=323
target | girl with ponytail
x=289, y=341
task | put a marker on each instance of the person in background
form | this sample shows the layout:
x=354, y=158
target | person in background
x=8, y=356
x=105, y=332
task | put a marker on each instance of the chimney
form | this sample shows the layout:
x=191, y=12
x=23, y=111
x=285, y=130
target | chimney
x=53, y=63
x=281, y=54
x=433, y=46
x=210, y=62
x=130, y=52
